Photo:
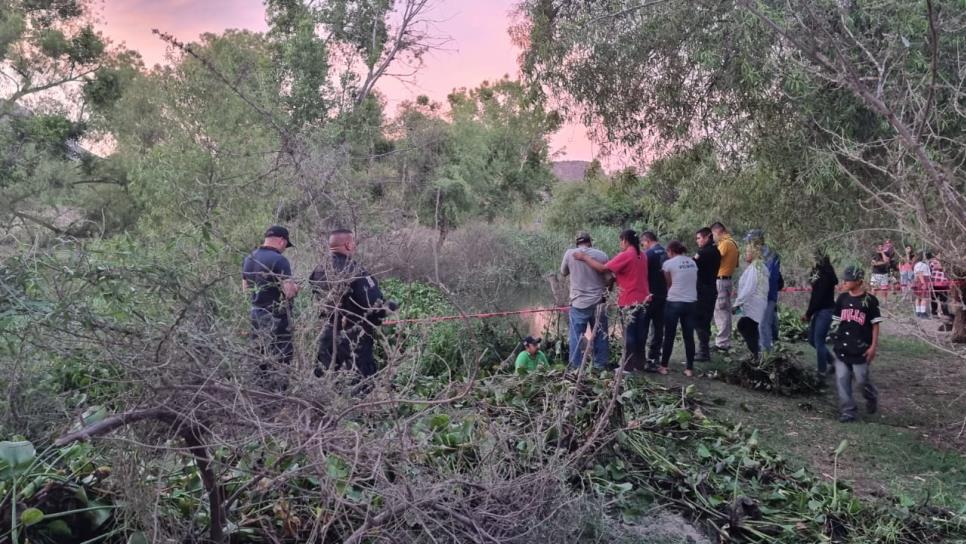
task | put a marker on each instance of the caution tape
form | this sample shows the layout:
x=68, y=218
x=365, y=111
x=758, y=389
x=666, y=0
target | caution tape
x=485, y=315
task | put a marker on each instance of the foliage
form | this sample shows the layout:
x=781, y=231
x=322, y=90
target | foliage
x=489, y=159
x=791, y=328
x=60, y=495
x=777, y=371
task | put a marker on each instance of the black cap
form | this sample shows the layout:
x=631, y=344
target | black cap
x=278, y=231
x=531, y=341
x=583, y=237
x=853, y=273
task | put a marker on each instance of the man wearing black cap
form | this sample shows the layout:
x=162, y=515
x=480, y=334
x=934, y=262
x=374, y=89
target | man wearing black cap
x=352, y=306
x=856, y=339
x=588, y=291
x=267, y=277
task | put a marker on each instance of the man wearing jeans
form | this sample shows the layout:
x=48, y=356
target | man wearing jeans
x=728, y=249
x=588, y=289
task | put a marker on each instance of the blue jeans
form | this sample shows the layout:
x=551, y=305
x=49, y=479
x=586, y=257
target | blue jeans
x=817, y=331
x=635, y=337
x=684, y=312
x=596, y=317
x=768, y=328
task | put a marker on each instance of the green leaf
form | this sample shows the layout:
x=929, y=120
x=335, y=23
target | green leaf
x=137, y=538
x=842, y=445
x=58, y=530
x=99, y=515
x=16, y=456
x=31, y=516
x=703, y=451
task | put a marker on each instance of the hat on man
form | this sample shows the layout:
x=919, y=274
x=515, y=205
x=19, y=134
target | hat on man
x=583, y=237
x=531, y=341
x=853, y=273
x=755, y=235
x=278, y=231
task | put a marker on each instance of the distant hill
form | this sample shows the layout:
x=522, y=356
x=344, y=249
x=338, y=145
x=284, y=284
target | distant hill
x=570, y=171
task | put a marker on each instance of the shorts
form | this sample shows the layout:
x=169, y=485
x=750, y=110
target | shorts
x=880, y=281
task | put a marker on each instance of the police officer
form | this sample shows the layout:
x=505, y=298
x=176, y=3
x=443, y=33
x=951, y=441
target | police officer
x=267, y=278
x=352, y=306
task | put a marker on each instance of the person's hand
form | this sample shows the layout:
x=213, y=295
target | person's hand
x=649, y=298
x=869, y=354
x=580, y=255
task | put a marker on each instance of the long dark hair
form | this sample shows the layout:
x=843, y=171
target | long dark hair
x=630, y=236
x=677, y=248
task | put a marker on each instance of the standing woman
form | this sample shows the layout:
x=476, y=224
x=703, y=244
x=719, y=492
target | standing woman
x=821, y=306
x=681, y=273
x=630, y=272
x=922, y=284
x=752, y=297
x=906, y=274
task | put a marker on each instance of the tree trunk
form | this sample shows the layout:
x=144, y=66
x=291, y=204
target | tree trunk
x=958, y=309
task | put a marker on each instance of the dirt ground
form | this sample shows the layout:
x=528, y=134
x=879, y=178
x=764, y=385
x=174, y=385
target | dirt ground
x=915, y=445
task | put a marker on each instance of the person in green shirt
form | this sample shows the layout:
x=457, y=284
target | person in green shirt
x=530, y=357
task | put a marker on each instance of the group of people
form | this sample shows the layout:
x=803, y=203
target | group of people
x=919, y=272
x=661, y=289
x=350, y=302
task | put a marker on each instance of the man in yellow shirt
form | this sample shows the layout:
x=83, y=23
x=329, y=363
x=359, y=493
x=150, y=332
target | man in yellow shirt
x=729, y=265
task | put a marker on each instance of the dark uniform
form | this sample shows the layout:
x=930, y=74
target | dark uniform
x=709, y=260
x=352, y=308
x=265, y=269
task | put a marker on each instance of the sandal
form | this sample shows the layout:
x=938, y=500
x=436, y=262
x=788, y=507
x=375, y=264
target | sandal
x=662, y=370
x=688, y=372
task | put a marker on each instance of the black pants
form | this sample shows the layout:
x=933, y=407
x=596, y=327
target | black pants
x=748, y=328
x=345, y=350
x=703, y=316
x=673, y=313
x=272, y=337
x=654, y=323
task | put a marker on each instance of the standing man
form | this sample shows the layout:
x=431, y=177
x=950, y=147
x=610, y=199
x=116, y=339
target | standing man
x=267, y=278
x=856, y=340
x=728, y=249
x=709, y=261
x=588, y=291
x=768, y=327
x=654, y=318
x=352, y=306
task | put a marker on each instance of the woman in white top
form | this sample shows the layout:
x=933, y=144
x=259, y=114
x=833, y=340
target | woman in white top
x=752, y=297
x=681, y=274
x=921, y=284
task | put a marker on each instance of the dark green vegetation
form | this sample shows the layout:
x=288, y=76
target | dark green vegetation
x=133, y=409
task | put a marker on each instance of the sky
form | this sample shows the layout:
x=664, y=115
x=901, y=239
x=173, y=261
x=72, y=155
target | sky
x=478, y=48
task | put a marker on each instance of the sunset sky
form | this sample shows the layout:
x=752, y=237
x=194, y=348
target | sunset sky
x=479, y=46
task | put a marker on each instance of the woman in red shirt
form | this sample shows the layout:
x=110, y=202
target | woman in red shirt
x=629, y=268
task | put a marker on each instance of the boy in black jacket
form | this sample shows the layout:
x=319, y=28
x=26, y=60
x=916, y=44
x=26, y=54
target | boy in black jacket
x=856, y=340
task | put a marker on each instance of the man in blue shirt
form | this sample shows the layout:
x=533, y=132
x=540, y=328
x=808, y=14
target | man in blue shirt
x=352, y=307
x=267, y=278
x=654, y=318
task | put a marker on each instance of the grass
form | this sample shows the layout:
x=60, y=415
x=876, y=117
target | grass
x=912, y=448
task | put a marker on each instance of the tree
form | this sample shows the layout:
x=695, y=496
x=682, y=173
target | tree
x=487, y=157
x=866, y=95
x=56, y=69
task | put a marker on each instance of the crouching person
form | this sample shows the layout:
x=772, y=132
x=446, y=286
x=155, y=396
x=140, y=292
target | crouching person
x=856, y=339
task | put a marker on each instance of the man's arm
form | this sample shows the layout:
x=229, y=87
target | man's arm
x=870, y=353
x=565, y=264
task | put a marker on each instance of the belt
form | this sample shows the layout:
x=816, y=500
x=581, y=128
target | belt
x=724, y=277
